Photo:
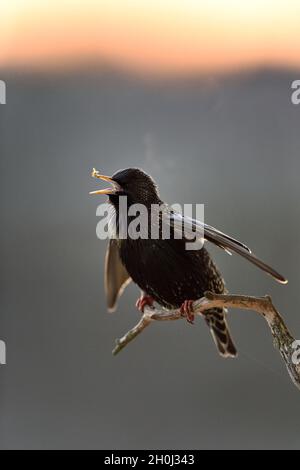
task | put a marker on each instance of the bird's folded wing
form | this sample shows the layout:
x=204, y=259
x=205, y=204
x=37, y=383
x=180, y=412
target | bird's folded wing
x=116, y=278
x=223, y=241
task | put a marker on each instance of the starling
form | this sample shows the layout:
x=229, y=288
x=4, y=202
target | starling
x=165, y=271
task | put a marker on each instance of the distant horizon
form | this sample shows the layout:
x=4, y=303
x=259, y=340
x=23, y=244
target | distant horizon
x=97, y=65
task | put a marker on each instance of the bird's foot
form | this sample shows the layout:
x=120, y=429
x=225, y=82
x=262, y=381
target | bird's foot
x=187, y=311
x=143, y=301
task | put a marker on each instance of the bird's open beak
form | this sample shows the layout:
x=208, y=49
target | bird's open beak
x=111, y=190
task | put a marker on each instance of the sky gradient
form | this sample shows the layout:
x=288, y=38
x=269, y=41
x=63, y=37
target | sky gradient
x=162, y=35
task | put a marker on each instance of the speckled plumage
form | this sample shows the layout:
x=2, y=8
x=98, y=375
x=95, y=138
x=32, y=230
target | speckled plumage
x=166, y=271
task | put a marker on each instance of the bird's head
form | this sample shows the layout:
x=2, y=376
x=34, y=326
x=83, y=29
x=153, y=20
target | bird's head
x=131, y=182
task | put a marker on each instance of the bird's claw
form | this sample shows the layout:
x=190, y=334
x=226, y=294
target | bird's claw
x=143, y=301
x=187, y=311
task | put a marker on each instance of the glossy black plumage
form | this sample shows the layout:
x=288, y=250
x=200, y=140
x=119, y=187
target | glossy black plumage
x=164, y=269
x=170, y=274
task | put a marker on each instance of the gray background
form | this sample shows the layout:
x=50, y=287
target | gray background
x=230, y=142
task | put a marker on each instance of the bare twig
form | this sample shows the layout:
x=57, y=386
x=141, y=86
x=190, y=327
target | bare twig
x=283, y=340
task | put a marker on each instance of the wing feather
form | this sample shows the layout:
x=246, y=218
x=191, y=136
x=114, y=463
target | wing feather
x=222, y=240
x=116, y=278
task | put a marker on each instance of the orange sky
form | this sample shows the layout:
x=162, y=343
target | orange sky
x=163, y=35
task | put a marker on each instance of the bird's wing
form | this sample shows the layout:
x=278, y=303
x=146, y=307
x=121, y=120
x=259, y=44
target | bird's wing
x=116, y=278
x=226, y=242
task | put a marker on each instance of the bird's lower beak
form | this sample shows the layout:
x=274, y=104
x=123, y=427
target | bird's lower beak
x=111, y=190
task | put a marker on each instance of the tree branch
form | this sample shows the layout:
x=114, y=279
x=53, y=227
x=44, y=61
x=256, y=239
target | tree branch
x=283, y=340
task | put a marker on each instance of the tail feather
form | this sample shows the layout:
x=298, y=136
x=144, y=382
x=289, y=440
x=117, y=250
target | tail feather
x=217, y=324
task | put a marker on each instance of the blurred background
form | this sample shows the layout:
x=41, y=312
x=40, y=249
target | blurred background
x=198, y=94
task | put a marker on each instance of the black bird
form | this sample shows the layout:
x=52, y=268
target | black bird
x=164, y=269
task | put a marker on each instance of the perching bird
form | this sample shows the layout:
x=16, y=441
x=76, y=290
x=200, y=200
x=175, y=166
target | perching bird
x=164, y=269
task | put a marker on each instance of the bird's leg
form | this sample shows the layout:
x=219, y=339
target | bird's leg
x=144, y=300
x=187, y=311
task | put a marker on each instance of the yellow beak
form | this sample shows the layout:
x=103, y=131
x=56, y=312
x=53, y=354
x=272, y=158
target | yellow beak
x=112, y=190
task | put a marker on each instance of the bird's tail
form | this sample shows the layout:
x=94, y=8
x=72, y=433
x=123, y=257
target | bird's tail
x=217, y=324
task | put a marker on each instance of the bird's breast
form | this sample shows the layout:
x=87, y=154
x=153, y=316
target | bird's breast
x=168, y=272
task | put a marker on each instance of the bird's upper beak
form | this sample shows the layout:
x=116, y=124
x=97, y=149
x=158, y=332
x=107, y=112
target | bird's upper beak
x=115, y=187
